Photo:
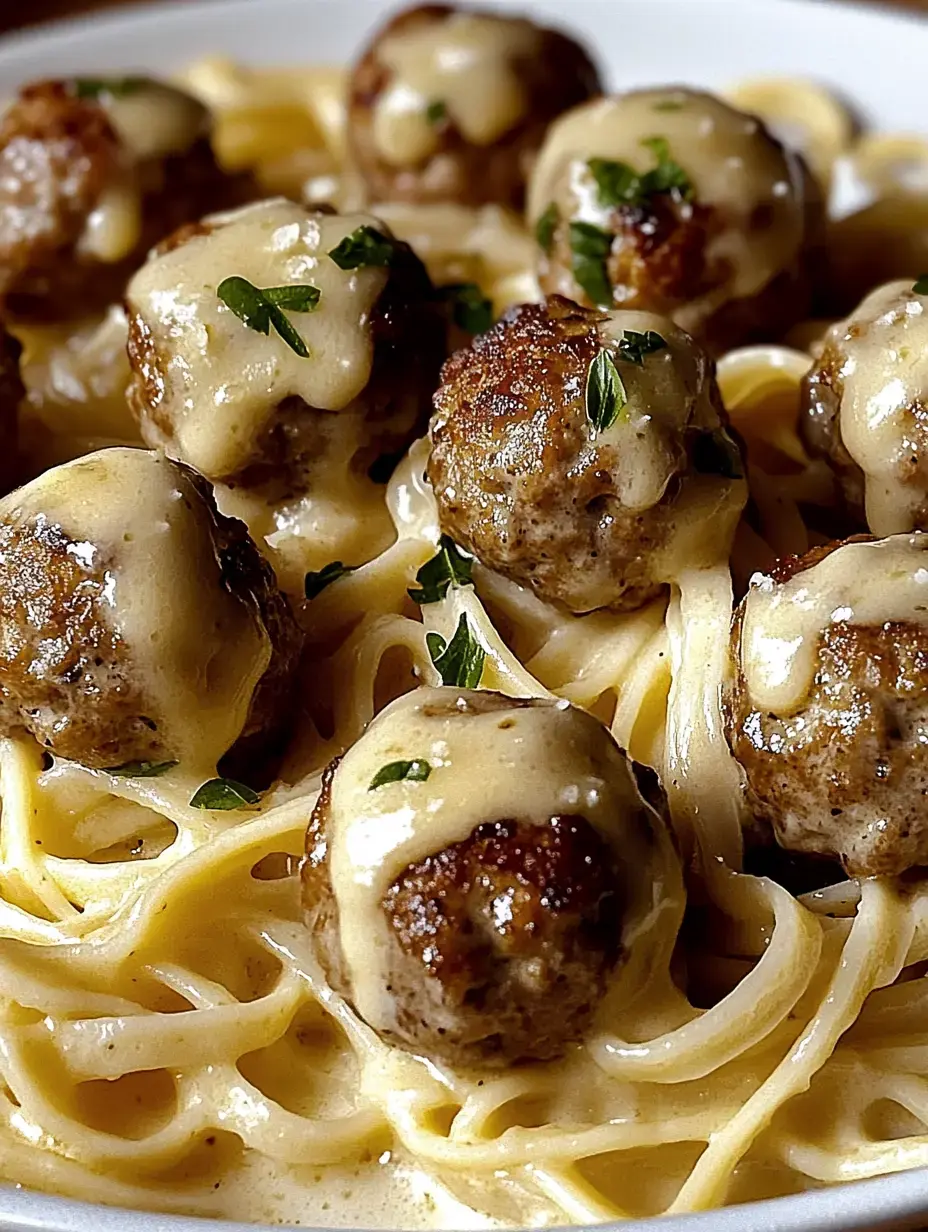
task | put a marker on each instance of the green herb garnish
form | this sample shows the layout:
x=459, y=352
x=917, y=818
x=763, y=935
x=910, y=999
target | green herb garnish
x=417, y=770
x=436, y=112
x=921, y=286
x=116, y=87
x=222, y=795
x=141, y=769
x=619, y=184
x=668, y=104
x=259, y=309
x=590, y=247
x=460, y=661
x=715, y=453
x=471, y=309
x=634, y=346
x=449, y=568
x=364, y=246
x=606, y=397
x=545, y=226
x=315, y=583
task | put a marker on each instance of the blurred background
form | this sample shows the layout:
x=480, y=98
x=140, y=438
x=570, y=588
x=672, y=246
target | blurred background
x=18, y=13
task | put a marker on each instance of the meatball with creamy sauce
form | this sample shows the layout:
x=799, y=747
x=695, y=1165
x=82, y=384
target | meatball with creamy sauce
x=92, y=173
x=865, y=409
x=475, y=867
x=585, y=454
x=450, y=104
x=828, y=709
x=266, y=403
x=671, y=201
x=137, y=624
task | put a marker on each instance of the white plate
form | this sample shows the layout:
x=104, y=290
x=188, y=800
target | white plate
x=876, y=59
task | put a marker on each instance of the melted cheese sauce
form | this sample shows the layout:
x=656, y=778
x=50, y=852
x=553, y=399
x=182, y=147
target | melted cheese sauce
x=469, y=65
x=860, y=584
x=489, y=761
x=884, y=350
x=196, y=651
x=224, y=380
x=152, y=122
x=735, y=169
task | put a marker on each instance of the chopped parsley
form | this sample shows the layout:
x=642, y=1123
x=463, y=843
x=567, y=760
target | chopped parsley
x=115, y=87
x=590, y=247
x=715, y=453
x=436, y=112
x=619, y=184
x=315, y=583
x=471, y=309
x=141, y=769
x=364, y=246
x=259, y=308
x=545, y=227
x=921, y=285
x=449, y=568
x=222, y=795
x=669, y=104
x=460, y=661
x=606, y=396
x=417, y=771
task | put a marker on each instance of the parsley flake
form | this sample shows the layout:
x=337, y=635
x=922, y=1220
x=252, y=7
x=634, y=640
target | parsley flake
x=449, y=568
x=619, y=184
x=545, y=227
x=471, y=309
x=436, y=112
x=921, y=285
x=364, y=246
x=115, y=87
x=417, y=771
x=606, y=396
x=260, y=309
x=315, y=583
x=715, y=453
x=141, y=769
x=590, y=247
x=460, y=661
x=222, y=795
x=669, y=104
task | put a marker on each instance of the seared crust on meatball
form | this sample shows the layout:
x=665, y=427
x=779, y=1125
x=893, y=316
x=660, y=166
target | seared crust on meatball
x=12, y=392
x=554, y=73
x=68, y=677
x=846, y=774
x=527, y=485
x=60, y=154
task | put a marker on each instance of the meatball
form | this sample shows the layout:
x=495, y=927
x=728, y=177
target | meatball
x=92, y=173
x=585, y=454
x=828, y=707
x=493, y=872
x=136, y=622
x=865, y=409
x=12, y=393
x=268, y=404
x=673, y=202
x=447, y=104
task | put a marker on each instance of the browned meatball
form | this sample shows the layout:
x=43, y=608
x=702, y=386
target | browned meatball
x=865, y=408
x=673, y=202
x=253, y=408
x=136, y=622
x=11, y=394
x=593, y=493
x=828, y=709
x=512, y=849
x=92, y=173
x=452, y=104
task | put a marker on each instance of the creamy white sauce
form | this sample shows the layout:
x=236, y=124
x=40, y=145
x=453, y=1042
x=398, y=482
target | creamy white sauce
x=489, y=761
x=468, y=64
x=734, y=170
x=152, y=122
x=194, y=650
x=223, y=379
x=884, y=370
x=859, y=584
